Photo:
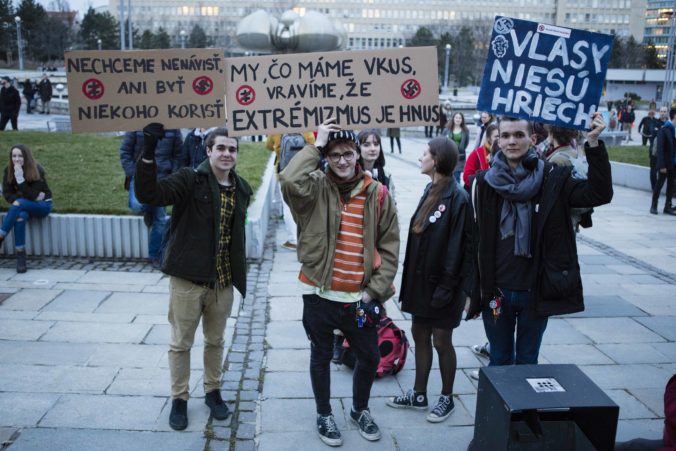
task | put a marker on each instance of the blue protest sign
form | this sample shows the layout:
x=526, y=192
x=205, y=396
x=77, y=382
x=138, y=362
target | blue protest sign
x=544, y=73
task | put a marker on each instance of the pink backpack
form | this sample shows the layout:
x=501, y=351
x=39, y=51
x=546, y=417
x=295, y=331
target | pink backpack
x=393, y=346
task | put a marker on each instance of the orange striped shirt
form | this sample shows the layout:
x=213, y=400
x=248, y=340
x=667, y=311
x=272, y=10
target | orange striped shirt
x=348, y=263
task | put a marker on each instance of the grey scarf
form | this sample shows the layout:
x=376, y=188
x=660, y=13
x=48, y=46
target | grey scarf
x=517, y=188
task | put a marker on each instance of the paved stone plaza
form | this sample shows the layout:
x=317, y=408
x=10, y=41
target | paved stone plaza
x=83, y=347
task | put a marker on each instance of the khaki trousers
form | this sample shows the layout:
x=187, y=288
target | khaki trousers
x=188, y=302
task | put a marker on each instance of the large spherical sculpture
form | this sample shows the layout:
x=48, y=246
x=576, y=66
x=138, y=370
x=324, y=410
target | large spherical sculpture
x=313, y=32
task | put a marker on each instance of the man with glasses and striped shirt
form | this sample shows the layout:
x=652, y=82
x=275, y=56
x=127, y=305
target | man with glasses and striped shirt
x=348, y=246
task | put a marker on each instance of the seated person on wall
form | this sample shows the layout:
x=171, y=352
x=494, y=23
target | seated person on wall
x=24, y=187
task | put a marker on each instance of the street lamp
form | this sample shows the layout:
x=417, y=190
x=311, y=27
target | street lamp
x=98, y=43
x=448, y=57
x=17, y=19
x=183, y=35
x=121, y=24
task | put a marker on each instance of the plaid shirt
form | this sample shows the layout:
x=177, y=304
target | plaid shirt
x=223, y=272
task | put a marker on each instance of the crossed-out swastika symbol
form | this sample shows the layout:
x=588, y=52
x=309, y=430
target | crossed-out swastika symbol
x=411, y=89
x=245, y=95
x=93, y=89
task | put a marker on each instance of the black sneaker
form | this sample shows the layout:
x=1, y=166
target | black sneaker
x=178, y=418
x=219, y=410
x=367, y=427
x=442, y=409
x=328, y=430
x=411, y=400
x=148, y=218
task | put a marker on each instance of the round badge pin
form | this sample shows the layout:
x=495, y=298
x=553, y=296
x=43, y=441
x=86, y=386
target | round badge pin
x=441, y=208
x=433, y=219
x=437, y=214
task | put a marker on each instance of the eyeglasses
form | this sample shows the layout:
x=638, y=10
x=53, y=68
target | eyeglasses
x=335, y=157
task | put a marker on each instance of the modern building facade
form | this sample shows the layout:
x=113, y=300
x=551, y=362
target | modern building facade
x=385, y=23
x=658, y=24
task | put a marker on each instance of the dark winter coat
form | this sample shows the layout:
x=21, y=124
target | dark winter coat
x=167, y=153
x=558, y=284
x=666, y=146
x=649, y=126
x=438, y=259
x=10, y=101
x=45, y=90
x=26, y=190
x=194, y=150
x=192, y=245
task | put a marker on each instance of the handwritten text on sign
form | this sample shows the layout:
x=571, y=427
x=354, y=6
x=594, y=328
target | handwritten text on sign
x=125, y=90
x=544, y=73
x=284, y=93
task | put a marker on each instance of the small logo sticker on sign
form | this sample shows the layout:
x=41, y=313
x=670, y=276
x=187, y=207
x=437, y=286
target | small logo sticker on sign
x=554, y=30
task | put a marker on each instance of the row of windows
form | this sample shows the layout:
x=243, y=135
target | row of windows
x=596, y=18
x=656, y=31
x=374, y=43
x=615, y=4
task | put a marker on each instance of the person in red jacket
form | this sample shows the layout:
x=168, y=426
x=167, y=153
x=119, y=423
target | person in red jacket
x=478, y=160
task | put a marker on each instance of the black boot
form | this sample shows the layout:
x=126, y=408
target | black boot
x=21, y=262
x=219, y=410
x=653, y=209
x=338, y=349
x=178, y=418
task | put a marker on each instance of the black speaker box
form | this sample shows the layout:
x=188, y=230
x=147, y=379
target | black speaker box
x=543, y=408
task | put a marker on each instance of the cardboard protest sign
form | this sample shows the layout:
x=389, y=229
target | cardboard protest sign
x=297, y=92
x=544, y=73
x=125, y=90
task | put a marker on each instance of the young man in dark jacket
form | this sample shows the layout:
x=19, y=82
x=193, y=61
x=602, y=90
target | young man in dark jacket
x=666, y=153
x=168, y=160
x=524, y=243
x=205, y=257
x=10, y=104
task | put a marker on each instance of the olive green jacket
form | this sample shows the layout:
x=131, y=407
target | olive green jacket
x=315, y=202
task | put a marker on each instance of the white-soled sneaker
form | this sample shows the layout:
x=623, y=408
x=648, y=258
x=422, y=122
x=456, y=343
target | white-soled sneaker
x=411, y=400
x=367, y=427
x=441, y=410
x=328, y=430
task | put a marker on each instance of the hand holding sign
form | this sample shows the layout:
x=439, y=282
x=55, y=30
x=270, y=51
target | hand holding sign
x=152, y=133
x=544, y=73
x=598, y=125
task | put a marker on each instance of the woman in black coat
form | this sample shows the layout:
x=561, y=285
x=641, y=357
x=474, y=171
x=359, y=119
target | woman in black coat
x=432, y=287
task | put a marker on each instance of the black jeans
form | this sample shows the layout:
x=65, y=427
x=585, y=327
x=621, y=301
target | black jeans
x=661, y=178
x=653, y=171
x=4, y=118
x=320, y=317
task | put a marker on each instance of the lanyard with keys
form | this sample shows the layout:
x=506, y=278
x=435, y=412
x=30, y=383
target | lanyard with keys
x=495, y=305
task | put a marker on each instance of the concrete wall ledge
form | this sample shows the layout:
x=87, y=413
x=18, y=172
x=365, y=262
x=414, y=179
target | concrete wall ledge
x=126, y=237
x=631, y=176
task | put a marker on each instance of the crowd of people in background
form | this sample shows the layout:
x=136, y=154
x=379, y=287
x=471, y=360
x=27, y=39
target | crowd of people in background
x=10, y=98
